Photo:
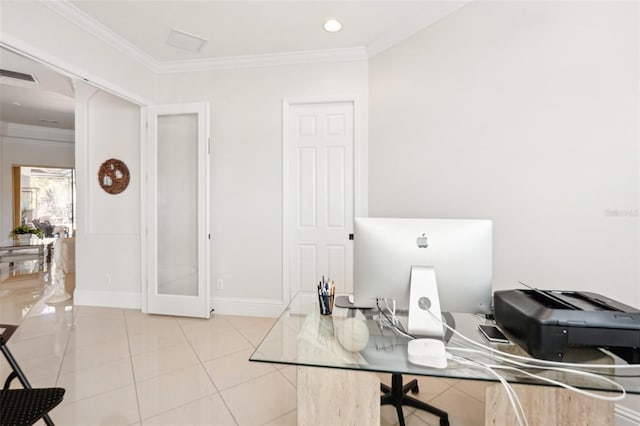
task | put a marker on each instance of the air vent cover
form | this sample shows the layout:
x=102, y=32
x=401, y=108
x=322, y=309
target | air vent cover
x=18, y=75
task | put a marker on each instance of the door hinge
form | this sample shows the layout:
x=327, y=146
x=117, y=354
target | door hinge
x=350, y=237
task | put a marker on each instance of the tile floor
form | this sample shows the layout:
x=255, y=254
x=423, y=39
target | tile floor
x=122, y=367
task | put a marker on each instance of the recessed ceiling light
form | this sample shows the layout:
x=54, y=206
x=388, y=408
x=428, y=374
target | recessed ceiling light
x=185, y=41
x=332, y=25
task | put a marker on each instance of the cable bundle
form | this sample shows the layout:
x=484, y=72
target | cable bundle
x=470, y=346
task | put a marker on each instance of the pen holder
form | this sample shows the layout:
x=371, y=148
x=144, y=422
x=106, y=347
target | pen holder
x=326, y=304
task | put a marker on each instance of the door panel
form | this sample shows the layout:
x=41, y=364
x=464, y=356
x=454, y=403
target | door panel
x=177, y=217
x=321, y=194
x=177, y=185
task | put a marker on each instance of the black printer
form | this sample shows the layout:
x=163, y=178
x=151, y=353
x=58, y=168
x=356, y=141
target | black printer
x=547, y=322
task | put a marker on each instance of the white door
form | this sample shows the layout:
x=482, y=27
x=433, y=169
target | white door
x=321, y=194
x=176, y=210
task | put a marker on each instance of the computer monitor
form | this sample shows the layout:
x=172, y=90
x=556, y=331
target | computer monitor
x=458, y=250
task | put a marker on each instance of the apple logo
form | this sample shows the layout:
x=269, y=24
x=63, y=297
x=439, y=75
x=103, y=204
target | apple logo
x=421, y=241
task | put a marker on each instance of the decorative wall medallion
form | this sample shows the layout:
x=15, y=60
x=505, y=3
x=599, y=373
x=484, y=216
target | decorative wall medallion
x=113, y=176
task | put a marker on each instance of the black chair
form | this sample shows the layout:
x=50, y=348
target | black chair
x=396, y=395
x=20, y=407
x=23, y=406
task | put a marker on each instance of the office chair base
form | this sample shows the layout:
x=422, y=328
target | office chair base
x=396, y=395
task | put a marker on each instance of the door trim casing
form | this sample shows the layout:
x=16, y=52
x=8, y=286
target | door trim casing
x=360, y=172
x=148, y=215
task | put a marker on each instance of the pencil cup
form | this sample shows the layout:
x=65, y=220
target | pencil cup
x=326, y=304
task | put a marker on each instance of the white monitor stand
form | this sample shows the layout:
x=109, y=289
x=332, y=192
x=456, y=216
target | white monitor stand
x=425, y=319
x=423, y=297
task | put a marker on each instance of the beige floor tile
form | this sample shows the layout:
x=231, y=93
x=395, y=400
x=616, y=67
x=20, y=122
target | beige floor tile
x=233, y=369
x=244, y=322
x=290, y=372
x=195, y=324
x=117, y=407
x=165, y=360
x=145, y=324
x=52, y=345
x=87, y=356
x=289, y=419
x=42, y=325
x=261, y=400
x=414, y=420
x=389, y=415
x=84, y=383
x=91, y=330
x=212, y=347
x=172, y=390
x=99, y=311
x=475, y=388
x=44, y=368
x=255, y=333
x=199, y=329
x=430, y=387
x=208, y=411
x=463, y=409
x=158, y=338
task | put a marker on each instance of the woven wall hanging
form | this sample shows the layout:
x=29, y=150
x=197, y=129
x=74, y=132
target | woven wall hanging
x=113, y=176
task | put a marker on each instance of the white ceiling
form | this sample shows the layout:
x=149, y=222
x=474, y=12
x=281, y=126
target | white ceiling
x=233, y=29
x=51, y=98
x=240, y=28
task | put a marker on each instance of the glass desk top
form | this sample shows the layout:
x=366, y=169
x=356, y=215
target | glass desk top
x=356, y=339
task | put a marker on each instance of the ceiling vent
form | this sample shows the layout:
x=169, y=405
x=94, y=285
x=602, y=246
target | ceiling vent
x=18, y=76
x=185, y=41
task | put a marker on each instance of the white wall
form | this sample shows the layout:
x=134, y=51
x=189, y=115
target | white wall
x=108, y=264
x=22, y=145
x=525, y=113
x=246, y=168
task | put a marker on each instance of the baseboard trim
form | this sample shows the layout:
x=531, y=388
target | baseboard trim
x=627, y=414
x=249, y=307
x=222, y=305
x=107, y=299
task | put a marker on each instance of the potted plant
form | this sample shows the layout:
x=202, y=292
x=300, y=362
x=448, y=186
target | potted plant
x=23, y=233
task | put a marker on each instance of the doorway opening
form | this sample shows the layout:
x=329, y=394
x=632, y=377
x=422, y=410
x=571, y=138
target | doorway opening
x=46, y=199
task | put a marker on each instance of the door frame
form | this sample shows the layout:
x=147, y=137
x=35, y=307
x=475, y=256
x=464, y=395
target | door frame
x=148, y=165
x=360, y=171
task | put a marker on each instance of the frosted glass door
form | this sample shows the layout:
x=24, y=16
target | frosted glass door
x=177, y=218
x=177, y=226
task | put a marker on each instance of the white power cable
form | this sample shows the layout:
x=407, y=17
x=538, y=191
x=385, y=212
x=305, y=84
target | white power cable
x=512, y=358
x=529, y=359
x=617, y=397
x=511, y=393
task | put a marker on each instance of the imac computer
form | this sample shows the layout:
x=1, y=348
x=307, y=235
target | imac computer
x=443, y=265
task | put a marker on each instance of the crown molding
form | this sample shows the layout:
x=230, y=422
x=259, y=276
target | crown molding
x=75, y=15
x=94, y=27
x=268, y=60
